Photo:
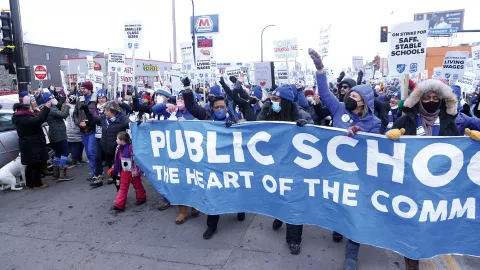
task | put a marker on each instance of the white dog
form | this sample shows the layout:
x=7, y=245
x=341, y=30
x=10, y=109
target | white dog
x=10, y=174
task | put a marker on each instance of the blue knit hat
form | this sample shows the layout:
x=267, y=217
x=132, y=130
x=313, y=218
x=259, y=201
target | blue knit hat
x=23, y=93
x=101, y=93
x=216, y=91
x=257, y=92
x=285, y=92
x=164, y=92
x=180, y=94
x=47, y=97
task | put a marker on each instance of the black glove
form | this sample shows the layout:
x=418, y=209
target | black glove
x=360, y=77
x=340, y=78
x=84, y=107
x=228, y=123
x=267, y=103
x=233, y=79
x=301, y=122
x=186, y=82
x=222, y=80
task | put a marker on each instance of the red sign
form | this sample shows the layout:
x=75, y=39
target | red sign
x=40, y=72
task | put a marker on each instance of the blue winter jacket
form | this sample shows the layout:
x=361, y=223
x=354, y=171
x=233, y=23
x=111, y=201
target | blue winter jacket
x=464, y=121
x=342, y=118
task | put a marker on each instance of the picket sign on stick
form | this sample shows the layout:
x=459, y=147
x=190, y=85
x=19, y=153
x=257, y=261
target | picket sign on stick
x=406, y=80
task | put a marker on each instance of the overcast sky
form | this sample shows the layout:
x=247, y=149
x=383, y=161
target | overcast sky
x=98, y=24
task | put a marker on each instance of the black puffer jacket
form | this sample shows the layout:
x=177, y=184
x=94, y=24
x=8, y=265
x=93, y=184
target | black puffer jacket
x=31, y=139
x=110, y=130
x=448, y=109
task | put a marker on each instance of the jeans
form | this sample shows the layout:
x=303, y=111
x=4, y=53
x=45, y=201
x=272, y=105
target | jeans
x=89, y=144
x=76, y=149
x=100, y=156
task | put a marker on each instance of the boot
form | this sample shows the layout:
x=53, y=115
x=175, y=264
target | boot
x=45, y=171
x=337, y=237
x=182, y=215
x=97, y=182
x=351, y=255
x=195, y=212
x=56, y=172
x=411, y=264
x=63, y=177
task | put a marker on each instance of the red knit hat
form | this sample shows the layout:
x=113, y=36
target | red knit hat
x=88, y=85
x=146, y=96
x=411, y=84
x=309, y=92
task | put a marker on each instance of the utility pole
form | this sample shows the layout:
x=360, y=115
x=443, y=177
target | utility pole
x=174, y=24
x=22, y=74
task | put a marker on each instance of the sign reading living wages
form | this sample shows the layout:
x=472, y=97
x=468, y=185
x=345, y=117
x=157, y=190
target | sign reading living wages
x=408, y=48
x=454, y=65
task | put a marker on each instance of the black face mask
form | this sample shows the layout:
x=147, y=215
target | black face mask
x=431, y=106
x=350, y=104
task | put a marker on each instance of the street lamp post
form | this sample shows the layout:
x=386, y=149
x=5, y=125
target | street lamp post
x=193, y=32
x=261, y=40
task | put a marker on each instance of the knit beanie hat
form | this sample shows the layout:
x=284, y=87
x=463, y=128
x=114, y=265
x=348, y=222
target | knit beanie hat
x=101, y=93
x=285, y=92
x=309, y=92
x=216, y=91
x=257, y=92
x=88, y=85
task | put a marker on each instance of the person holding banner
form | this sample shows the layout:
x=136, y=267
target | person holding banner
x=356, y=113
x=219, y=112
x=430, y=110
x=280, y=106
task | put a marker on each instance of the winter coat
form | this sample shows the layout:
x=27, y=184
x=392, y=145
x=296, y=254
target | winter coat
x=31, y=139
x=57, y=130
x=110, y=130
x=464, y=121
x=447, y=114
x=242, y=99
x=198, y=111
x=79, y=116
x=73, y=131
x=342, y=118
x=382, y=110
x=297, y=113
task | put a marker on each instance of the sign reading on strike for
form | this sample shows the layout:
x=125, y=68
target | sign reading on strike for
x=285, y=48
x=133, y=35
x=454, y=65
x=40, y=72
x=408, y=48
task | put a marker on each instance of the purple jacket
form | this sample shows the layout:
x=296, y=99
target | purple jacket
x=464, y=121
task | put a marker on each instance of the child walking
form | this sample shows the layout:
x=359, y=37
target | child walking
x=128, y=171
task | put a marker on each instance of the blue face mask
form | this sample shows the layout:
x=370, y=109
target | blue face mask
x=220, y=114
x=276, y=106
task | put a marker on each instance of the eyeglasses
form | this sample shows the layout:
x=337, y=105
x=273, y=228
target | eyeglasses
x=345, y=86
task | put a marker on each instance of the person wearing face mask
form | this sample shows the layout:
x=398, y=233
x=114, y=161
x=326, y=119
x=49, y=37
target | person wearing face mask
x=281, y=107
x=393, y=113
x=144, y=109
x=315, y=108
x=241, y=98
x=31, y=140
x=355, y=113
x=344, y=86
x=112, y=121
x=86, y=128
x=182, y=112
x=57, y=133
x=162, y=107
x=219, y=112
x=430, y=110
x=256, y=98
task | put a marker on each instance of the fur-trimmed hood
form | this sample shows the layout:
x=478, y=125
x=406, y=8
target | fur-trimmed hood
x=448, y=98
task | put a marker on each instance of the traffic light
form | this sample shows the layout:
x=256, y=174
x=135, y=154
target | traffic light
x=7, y=32
x=384, y=34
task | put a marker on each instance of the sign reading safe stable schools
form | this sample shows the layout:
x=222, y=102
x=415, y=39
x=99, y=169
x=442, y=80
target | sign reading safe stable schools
x=408, y=48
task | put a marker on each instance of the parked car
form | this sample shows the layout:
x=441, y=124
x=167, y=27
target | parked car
x=8, y=135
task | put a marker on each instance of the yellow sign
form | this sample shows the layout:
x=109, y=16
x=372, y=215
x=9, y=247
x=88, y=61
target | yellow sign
x=150, y=67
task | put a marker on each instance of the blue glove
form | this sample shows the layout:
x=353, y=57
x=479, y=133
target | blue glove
x=301, y=122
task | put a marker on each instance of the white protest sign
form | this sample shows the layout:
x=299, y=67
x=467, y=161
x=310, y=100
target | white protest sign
x=408, y=48
x=186, y=50
x=177, y=85
x=454, y=65
x=90, y=69
x=203, y=66
x=282, y=73
x=116, y=60
x=437, y=73
x=133, y=34
x=324, y=43
x=81, y=77
x=233, y=71
x=205, y=49
x=64, y=80
x=126, y=77
x=357, y=62
x=424, y=74
x=285, y=48
x=99, y=77
x=263, y=74
x=467, y=82
x=476, y=59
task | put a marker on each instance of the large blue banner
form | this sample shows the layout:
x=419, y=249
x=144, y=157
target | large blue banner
x=415, y=196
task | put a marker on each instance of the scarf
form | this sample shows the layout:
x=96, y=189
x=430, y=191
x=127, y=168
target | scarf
x=109, y=121
x=428, y=119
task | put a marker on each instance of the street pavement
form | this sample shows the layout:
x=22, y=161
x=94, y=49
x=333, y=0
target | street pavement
x=69, y=226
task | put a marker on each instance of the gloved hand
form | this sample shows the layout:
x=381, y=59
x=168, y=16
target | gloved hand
x=353, y=130
x=474, y=134
x=186, y=82
x=394, y=134
x=222, y=80
x=317, y=60
x=340, y=78
x=228, y=123
x=110, y=171
x=267, y=103
x=233, y=79
x=301, y=122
